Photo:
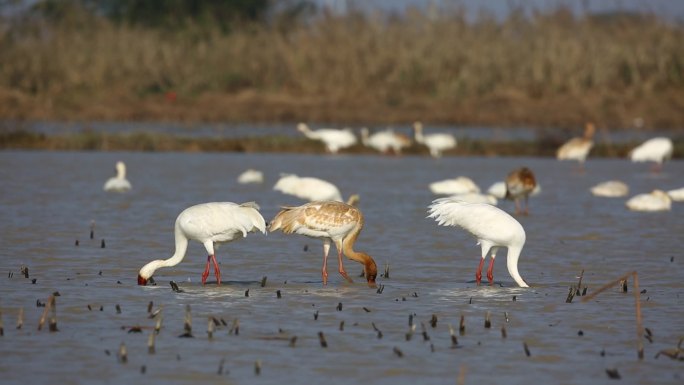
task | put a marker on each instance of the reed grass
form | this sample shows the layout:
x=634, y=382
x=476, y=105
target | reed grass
x=546, y=69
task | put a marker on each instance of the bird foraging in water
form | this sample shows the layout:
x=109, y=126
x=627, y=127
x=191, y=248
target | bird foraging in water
x=118, y=183
x=493, y=228
x=210, y=224
x=520, y=183
x=578, y=148
x=656, y=200
x=610, y=189
x=653, y=150
x=330, y=221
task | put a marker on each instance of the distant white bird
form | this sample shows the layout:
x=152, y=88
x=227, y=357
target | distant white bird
x=492, y=227
x=436, y=143
x=578, y=148
x=610, y=189
x=676, y=195
x=210, y=224
x=460, y=185
x=656, y=200
x=308, y=188
x=385, y=141
x=332, y=222
x=520, y=184
x=473, y=197
x=251, y=176
x=119, y=183
x=333, y=139
x=498, y=190
x=653, y=150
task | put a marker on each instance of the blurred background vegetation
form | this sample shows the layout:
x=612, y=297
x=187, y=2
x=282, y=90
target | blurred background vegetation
x=292, y=60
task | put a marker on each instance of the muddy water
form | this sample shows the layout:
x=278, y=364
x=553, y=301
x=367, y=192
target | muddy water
x=48, y=200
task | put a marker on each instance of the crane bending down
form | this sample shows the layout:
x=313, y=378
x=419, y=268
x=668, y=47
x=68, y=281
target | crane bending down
x=210, y=224
x=330, y=221
x=493, y=228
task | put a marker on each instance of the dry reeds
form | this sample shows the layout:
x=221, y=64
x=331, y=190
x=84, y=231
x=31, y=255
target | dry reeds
x=406, y=65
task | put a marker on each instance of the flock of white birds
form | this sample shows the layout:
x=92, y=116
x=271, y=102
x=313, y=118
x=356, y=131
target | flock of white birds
x=327, y=217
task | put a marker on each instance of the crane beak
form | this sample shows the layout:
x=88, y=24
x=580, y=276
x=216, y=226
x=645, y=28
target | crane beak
x=141, y=281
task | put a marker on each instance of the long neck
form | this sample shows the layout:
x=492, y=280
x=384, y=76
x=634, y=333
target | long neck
x=364, y=137
x=418, y=134
x=512, y=264
x=181, y=247
x=307, y=131
x=369, y=266
x=121, y=172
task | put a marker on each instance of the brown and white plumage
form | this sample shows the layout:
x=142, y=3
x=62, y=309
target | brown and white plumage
x=578, y=148
x=330, y=221
x=210, y=224
x=520, y=184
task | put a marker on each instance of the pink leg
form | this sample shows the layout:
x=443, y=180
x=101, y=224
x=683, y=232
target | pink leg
x=490, y=271
x=526, y=212
x=217, y=271
x=339, y=261
x=206, y=270
x=517, y=206
x=478, y=273
x=324, y=272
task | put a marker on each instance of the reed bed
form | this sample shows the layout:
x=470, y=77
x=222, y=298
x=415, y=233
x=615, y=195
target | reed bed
x=546, y=69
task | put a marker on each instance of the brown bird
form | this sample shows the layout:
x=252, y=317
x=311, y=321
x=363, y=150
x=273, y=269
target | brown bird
x=520, y=183
x=330, y=221
x=578, y=148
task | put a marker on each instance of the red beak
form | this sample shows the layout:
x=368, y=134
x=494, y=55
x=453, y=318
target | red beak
x=141, y=281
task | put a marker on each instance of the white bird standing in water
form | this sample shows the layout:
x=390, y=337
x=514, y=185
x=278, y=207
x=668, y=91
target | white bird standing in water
x=311, y=189
x=656, y=200
x=330, y=221
x=333, y=139
x=610, y=189
x=578, y=148
x=676, y=195
x=460, y=185
x=436, y=143
x=210, y=224
x=385, y=141
x=653, y=150
x=492, y=227
x=251, y=176
x=118, y=183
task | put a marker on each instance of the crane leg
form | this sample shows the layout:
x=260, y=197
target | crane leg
x=324, y=270
x=478, y=273
x=490, y=271
x=217, y=271
x=205, y=274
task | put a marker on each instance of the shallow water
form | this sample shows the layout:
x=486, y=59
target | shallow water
x=48, y=200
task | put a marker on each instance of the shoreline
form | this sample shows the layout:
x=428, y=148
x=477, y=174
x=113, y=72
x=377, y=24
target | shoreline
x=139, y=141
